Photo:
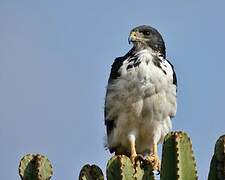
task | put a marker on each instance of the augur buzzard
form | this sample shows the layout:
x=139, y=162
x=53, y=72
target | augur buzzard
x=141, y=97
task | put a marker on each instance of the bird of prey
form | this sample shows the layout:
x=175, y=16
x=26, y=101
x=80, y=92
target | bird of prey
x=141, y=97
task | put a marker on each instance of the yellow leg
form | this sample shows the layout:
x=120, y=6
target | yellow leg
x=155, y=149
x=132, y=148
x=154, y=159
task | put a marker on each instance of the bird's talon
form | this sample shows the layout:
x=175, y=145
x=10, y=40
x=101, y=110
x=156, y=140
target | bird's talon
x=155, y=162
x=136, y=158
x=139, y=157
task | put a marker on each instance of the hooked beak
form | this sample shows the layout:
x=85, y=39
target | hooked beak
x=132, y=37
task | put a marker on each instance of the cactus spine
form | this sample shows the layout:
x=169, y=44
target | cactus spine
x=35, y=167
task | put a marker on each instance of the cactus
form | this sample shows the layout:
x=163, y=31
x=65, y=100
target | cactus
x=91, y=173
x=35, y=167
x=178, y=163
x=217, y=166
x=177, y=158
x=120, y=167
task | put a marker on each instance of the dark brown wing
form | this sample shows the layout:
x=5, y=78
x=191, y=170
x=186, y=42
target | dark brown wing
x=114, y=74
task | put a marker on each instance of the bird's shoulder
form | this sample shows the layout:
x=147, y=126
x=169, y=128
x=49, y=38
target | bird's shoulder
x=165, y=65
x=117, y=63
x=174, y=73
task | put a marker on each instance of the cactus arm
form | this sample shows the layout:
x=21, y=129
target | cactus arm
x=177, y=158
x=217, y=165
x=120, y=167
x=213, y=171
x=91, y=172
x=36, y=167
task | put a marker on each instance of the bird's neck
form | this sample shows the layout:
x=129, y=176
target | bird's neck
x=137, y=48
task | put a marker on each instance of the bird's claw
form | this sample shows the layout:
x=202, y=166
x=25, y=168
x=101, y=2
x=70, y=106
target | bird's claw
x=136, y=158
x=154, y=161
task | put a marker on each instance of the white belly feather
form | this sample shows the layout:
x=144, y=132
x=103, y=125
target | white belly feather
x=143, y=99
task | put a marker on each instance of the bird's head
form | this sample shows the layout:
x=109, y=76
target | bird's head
x=145, y=36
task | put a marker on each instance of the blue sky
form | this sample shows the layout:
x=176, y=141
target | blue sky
x=55, y=58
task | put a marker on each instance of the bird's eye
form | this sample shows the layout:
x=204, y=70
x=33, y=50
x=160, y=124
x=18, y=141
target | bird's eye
x=146, y=33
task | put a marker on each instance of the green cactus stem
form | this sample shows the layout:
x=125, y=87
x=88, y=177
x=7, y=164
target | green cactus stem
x=177, y=158
x=120, y=167
x=35, y=167
x=91, y=172
x=217, y=166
